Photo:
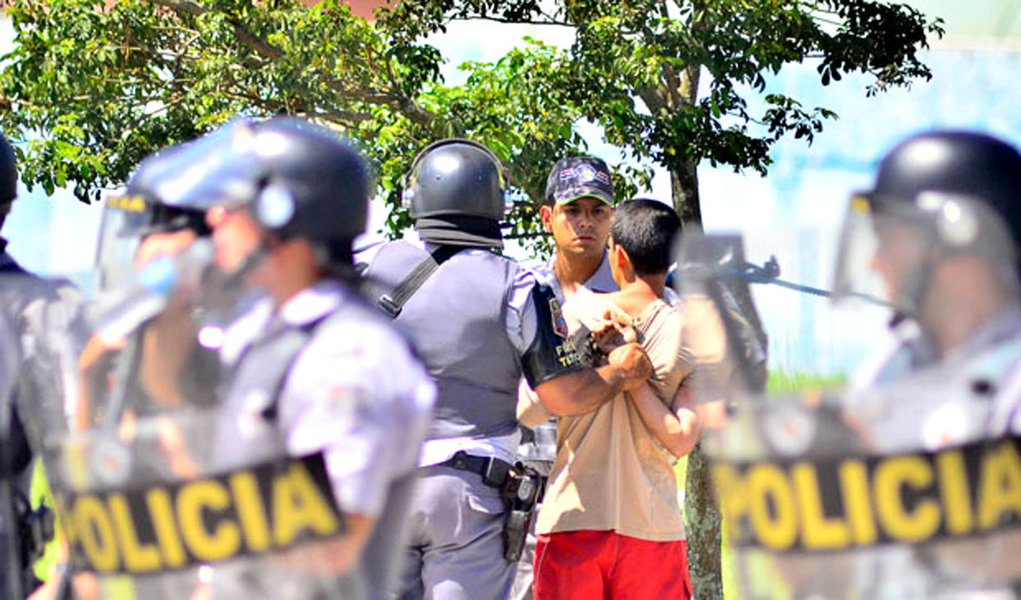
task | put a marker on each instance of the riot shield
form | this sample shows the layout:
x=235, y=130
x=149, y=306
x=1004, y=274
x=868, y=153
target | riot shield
x=151, y=508
x=894, y=491
x=48, y=323
x=149, y=503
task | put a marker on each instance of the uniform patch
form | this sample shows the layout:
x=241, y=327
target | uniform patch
x=557, y=317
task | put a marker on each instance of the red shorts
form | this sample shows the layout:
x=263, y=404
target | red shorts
x=590, y=565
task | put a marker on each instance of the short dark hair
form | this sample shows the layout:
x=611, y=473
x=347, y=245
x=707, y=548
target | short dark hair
x=645, y=229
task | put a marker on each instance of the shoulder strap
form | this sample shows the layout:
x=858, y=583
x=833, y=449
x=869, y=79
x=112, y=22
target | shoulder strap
x=393, y=303
x=293, y=344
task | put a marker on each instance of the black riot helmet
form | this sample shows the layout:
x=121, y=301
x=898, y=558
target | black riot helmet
x=297, y=179
x=959, y=163
x=455, y=191
x=937, y=195
x=8, y=177
x=145, y=211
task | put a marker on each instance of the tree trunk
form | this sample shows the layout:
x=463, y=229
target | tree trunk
x=703, y=529
x=699, y=501
x=684, y=176
x=684, y=187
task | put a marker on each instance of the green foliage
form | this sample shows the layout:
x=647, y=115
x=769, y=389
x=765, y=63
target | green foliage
x=93, y=86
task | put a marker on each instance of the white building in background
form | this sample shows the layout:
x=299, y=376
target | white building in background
x=793, y=213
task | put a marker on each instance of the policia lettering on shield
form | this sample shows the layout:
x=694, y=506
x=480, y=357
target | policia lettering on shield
x=480, y=321
x=300, y=487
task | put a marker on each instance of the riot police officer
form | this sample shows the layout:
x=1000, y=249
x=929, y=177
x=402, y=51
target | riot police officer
x=943, y=215
x=943, y=226
x=47, y=318
x=480, y=321
x=310, y=367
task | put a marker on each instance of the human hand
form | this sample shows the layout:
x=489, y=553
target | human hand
x=615, y=330
x=633, y=365
x=95, y=365
x=162, y=244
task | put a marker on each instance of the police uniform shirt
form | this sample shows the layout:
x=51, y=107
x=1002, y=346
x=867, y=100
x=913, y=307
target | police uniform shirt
x=912, y=398
x=354, y=391
x=534, y=416
x=522, y=326
x=600, y=281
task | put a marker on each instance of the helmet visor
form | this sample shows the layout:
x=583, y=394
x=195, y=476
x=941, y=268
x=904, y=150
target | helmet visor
x=881, y=256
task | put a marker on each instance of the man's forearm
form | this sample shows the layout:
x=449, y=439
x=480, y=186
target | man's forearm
x=580, y=392
x=678, y=430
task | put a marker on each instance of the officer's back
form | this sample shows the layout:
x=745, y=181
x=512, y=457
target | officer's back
x=480, y=322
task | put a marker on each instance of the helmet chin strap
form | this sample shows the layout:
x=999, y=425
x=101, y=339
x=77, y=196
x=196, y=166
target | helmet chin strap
x=913, y=296
x=251, y=262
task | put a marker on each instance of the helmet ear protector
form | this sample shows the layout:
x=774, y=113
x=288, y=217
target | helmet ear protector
x=274, y=206
x=408, y=180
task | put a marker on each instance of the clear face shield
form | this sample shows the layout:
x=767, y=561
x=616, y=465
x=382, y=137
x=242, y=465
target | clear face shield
x=124, y=221
x=891, y=251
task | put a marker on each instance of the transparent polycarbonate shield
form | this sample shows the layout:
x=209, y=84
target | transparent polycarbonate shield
x=897, y=490
x=10, y=546
x=154, y=506
x=816, y=504
x=723, y=327
x=117, y=246
x=895, y=250
x=153, y=500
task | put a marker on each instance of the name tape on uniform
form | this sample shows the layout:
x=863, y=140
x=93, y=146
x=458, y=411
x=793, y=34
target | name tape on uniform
x=264, y=508
x=841, y=504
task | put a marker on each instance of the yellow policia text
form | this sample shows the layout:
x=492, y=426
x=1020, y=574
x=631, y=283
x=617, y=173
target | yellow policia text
x=260, y=509
x=827, y=505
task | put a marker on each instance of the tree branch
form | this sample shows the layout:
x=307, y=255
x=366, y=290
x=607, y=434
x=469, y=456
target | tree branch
x=252, y=41
x=263, y=48
x=512, y=21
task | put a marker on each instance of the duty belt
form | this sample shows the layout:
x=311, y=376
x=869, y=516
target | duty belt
x=493, y=471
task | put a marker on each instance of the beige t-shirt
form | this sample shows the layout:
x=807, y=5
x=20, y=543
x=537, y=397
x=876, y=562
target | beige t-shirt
x=611, y=473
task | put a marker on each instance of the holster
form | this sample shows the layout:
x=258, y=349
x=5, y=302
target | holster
x=520, y=487
x=521, y=492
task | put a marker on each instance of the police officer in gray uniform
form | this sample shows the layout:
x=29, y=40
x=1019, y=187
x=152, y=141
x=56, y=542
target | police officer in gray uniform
x=944, y=213
x=310, y=367
x=47, y=317
x=480, y=321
